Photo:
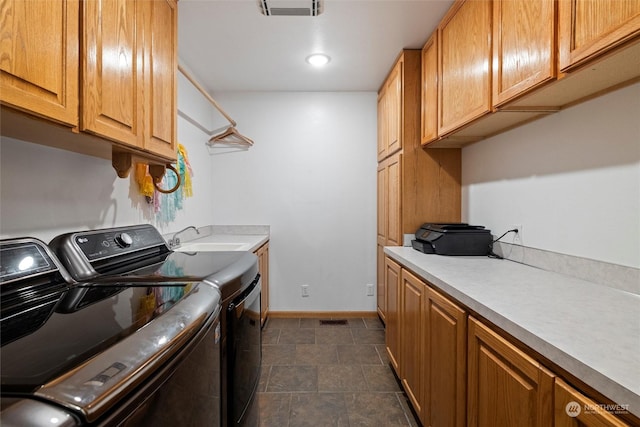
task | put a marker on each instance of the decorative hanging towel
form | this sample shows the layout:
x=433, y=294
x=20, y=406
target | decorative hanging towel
x=165, y=206
x=145, y=182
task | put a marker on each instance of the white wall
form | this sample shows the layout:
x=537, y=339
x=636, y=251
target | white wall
x=46, y=191
x=572, y=180
x=311, y=176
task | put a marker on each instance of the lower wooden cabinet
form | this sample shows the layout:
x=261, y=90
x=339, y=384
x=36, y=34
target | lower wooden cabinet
x=431, y=341
x=573, y=409
x=412, y=336
x=263, y=264
x=392, y=335
x=506, y=387
x=445, y=393
x=458, y=371
x=381, y=289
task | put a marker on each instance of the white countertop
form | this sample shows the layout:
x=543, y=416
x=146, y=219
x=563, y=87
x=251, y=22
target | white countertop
x=249, y=242
x=239, y=237
x=589, y=330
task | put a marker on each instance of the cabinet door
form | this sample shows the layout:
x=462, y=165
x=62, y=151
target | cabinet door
x=394, y=109
x=394, y=200
x=446, y=361
x=39, y=58
x=429, y=83
x=588, y=28
x=160, y=47
x=381, y=288
x=392, y=333
x=383, y=134
x=412, y=331
x=523, y=46
x=263, y=263
x=382, y=203
x=112, y=67
x=464, y=38
x=573, y=409
x=505, y=386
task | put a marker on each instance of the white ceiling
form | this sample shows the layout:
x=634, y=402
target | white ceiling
x=228, y=45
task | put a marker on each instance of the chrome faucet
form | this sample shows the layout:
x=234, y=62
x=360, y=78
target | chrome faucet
x=175, y=241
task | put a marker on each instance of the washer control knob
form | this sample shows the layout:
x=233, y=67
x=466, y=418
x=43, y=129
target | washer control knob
x=123, y=240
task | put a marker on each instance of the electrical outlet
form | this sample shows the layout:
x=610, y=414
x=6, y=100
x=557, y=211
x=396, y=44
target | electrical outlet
x=369, y=290
x=517, y=237
x=305, y=290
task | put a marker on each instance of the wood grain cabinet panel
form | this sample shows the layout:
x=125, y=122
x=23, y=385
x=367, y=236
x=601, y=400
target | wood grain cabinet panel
x=112, y=64
x=129, y=73
x=414, y=185
x=429, y=82
x=390, y=113
x=412, y=334
x=263, y=265
x=432, y=356
x=394, y=108
x=573, y=409
x=589, y=28
x=392, y=333
x=381, y=289
x=382, y=203
x=505, y=386
x=394, y=200
x=445, y=363
x=383, y=134
x=464, y=38
x=523, y=47
x=39, y=58
x=160, y=78
x=381, y=238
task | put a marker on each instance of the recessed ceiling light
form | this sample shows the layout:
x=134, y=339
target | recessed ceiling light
x=318, y=59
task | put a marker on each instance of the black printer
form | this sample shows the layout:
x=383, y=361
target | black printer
x=453, y=239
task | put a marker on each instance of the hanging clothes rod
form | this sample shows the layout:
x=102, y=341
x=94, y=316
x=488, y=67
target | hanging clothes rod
x=206, y=95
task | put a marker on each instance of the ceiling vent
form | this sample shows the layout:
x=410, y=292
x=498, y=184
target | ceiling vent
x=290, y=7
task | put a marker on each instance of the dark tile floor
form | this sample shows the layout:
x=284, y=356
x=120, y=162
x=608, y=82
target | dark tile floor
x=328, y=375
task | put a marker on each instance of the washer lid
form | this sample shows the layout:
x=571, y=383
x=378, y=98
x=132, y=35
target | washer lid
x=228, y=271
x=76, y=331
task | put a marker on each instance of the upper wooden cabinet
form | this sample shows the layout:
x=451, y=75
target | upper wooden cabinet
x=390, y=110
x=161, y=65
x=129, y=72
x=113, y=67
x=429, y=124
x=539, y=57
x=382, y=124
x=39, y=58
x=464, y=38
x=523, y=47
x=115, y=80
x=414, y=185
x=588, y=28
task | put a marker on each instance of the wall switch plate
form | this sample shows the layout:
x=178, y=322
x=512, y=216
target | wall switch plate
x=305, y=290
x=369, y=290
